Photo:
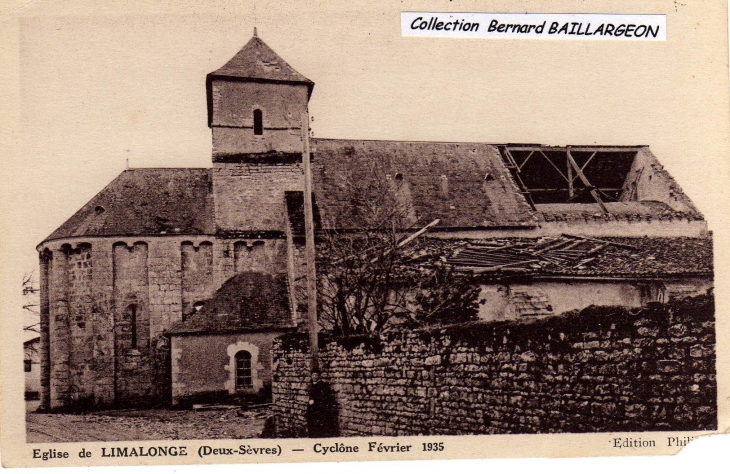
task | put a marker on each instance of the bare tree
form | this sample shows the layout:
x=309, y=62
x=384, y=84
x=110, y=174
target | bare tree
x=31, y=305
x=368, y=279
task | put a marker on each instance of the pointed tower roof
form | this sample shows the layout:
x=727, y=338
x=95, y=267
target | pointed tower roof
x=258, y=62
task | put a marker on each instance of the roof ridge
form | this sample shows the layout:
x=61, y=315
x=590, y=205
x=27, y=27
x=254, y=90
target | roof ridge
x=168, y=168
x=452, y=142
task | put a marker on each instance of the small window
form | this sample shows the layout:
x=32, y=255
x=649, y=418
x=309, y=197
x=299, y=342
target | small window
x=258, y=122
x=132, y=317
x=28, y=365
x=244, y=378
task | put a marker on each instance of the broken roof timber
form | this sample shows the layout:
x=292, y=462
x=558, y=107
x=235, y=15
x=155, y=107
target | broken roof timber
x=587, y=183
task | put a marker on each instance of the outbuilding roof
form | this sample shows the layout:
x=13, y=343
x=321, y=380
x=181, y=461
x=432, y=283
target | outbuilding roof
x=573, y=255
x=249, y=301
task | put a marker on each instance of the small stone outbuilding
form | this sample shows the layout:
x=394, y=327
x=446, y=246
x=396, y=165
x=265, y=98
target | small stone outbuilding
x=223, y=350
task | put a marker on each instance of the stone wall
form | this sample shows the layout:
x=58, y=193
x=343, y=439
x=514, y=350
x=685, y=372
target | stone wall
x=649, y=181
x=203, y=366
x=249, y=197
x=91, y=286
x=196, y=264
x=233, y=103
x=601, y=369
x=134, y=358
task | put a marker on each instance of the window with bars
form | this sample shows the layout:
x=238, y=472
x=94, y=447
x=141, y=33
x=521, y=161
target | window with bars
x=244, y=377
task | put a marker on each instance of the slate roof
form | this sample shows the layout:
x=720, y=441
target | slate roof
x=249, y=301
x=619, y=257
x=32, y=341
x=257, y=61
x=464, y=184
x=147, y=201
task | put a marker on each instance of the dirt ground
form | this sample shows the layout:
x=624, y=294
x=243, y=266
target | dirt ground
x=152, y=424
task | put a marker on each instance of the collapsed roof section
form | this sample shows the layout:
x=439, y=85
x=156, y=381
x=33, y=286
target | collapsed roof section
x=572, y=183
x=571, y=256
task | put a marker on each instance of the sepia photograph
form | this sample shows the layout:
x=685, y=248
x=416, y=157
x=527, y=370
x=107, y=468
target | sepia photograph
x=335, y=232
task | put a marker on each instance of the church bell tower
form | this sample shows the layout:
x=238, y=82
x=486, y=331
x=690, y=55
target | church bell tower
x=255, y=105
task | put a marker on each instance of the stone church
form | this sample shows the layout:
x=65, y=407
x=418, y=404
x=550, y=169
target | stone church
x=171, y=283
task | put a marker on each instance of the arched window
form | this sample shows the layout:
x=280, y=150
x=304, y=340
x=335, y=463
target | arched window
x=258, y=122
x=244, y=377
x=132, y=318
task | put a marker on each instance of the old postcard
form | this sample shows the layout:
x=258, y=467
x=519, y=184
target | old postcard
x=255, y=232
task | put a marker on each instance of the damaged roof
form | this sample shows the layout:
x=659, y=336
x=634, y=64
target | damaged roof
x=568, y=255
x=617, y=211
x=147, y=201
x=249, y=301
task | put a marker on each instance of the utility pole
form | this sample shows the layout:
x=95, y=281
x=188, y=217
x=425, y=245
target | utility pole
x=309, y=250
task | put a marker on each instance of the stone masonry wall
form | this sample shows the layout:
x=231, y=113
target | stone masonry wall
x=88, y=289
x=602, y=369
x=250, y=196
x=134, y=356
x=232, y=121
x=196, y=274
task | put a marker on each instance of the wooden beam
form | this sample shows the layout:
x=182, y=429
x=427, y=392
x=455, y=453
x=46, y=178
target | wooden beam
x=582, y=168
x=523, y=189
x=617, y=244
x=552, y=190
x=309, y=251
x=571, y=189
x=410, y=238
x=587, y=183
x=415, y=235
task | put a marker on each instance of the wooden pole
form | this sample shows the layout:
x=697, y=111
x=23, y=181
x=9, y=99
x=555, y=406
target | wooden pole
x=409, y=239
x=309, y=251
x=587, y=183
x=571, y=190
